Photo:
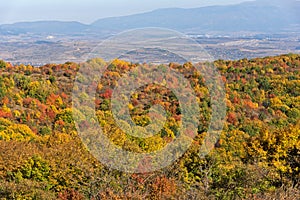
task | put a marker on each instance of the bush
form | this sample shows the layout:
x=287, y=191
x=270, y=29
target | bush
x=2, y=64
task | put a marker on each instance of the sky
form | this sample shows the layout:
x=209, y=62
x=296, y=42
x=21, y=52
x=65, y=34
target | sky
x=88, y=11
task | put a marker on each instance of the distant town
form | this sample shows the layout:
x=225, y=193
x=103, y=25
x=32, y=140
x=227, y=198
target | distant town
x=38, y=50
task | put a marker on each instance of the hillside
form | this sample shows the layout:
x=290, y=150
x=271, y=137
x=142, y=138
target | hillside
x=39, y=27
x=253, y=16
x=250, y=16
x=256, y=157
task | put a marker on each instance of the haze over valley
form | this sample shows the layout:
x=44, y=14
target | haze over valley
x=245, y=30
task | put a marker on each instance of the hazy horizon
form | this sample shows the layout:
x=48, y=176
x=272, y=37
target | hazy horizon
x=90, y=10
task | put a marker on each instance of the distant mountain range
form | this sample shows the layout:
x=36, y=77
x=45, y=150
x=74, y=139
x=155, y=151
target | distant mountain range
x=258, y=16
x=43, y=27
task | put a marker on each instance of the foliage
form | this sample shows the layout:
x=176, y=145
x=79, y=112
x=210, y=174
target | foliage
x=256, y=157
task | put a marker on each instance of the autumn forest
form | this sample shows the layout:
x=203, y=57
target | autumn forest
x=256, y=157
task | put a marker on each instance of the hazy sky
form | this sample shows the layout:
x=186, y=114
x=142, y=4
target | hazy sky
x=87, y=11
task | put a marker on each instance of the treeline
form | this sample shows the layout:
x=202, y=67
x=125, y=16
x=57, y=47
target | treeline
x=256, y=157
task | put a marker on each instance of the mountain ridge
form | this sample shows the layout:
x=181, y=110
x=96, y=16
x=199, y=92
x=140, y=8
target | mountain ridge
x=258, y=16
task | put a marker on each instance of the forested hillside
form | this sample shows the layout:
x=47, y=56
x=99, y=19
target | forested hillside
x=257, y=156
